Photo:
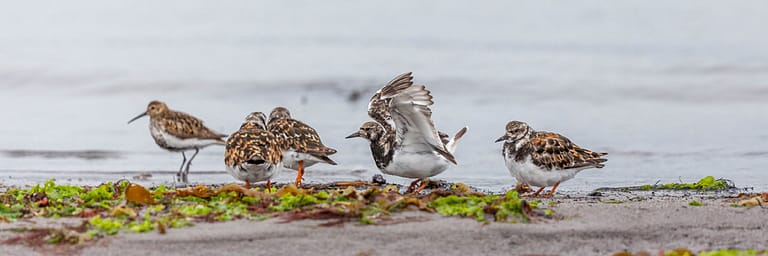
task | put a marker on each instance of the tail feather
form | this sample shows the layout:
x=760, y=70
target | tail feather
x=326, y=159
x=451, y=145
x=598, y=163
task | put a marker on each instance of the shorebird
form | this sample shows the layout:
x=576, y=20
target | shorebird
x=403, y=139
x=544, y=159
x=304, y=145
x=179, y=132
x=253, y=153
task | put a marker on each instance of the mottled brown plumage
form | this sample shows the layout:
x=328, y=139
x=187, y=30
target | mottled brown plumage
x=177, y=132
x=179, y=124
x=548, y=150
x=252, y=153
x=304, y=145
x=544, y=158
x=300, y=137
x=185, y=126
x=552, y=151
x=382, y=142
x=254, y=121
x=249, y=145
x=379, y=105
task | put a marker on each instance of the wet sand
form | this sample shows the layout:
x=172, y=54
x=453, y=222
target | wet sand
x=586, y=226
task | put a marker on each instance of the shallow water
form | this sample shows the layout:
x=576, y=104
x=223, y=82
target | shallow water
x=673, y=92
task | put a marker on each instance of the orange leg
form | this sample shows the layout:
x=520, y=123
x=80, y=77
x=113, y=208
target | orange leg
x=301, y=173
x=247, y=184
x=536, y=194
x=412, y=187
x=552, y=192
x=424, y=184
x=269, y=185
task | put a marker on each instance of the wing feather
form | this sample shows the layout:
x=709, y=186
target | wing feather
x=302, y=138
x=553, y=151
x=378, y=107
x=186, y=126
x=413, y=121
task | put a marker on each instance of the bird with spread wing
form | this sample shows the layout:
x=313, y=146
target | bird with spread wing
x=403, y=139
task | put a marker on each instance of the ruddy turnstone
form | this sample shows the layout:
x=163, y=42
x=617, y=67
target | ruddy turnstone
x=253, y=153
x=304, y=145
x=544, y=159
x=403, y=138
x=178, y=132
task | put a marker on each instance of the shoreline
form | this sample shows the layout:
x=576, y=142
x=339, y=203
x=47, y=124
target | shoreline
x=584, y=225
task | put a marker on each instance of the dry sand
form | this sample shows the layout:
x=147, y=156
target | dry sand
x=589, y=226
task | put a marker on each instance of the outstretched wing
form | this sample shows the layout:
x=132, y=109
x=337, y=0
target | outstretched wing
x=553, y=151
x=186, y=126
x=413, y=122
x=379, y=106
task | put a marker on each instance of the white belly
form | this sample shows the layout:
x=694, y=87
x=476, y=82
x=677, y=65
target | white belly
x=291, y=159
x=173, y=143
x=528, y=173
x=416, y=165
x=252, y=172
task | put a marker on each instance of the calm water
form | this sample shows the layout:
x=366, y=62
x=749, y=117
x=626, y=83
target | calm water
x=674, y=92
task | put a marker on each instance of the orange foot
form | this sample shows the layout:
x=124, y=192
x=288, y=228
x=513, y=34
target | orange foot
x=536, y=194
x=424, y=184
x=552, y=192
x=412, y=187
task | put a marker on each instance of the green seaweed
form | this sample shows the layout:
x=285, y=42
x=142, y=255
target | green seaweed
x=461, y=206
x=289, y=202
x=107, y=225
x=478, y=207
x=695, y=203
x=732, y=252
x=108, y=212
x=706, y=183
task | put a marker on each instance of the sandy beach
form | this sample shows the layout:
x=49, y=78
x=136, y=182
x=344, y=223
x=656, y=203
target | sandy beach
x=584, y=225
x=672, y=91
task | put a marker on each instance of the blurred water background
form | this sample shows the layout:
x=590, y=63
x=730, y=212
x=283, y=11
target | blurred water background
x=674, y=90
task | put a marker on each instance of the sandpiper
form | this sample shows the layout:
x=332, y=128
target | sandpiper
x=403, y=139
x=253, y=153
x=544, y=159
x=304, y=145
x=178, y=132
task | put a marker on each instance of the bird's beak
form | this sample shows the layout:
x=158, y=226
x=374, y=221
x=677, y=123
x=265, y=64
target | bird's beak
x=502, y=138
x=137, y=117
x=354, y=135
